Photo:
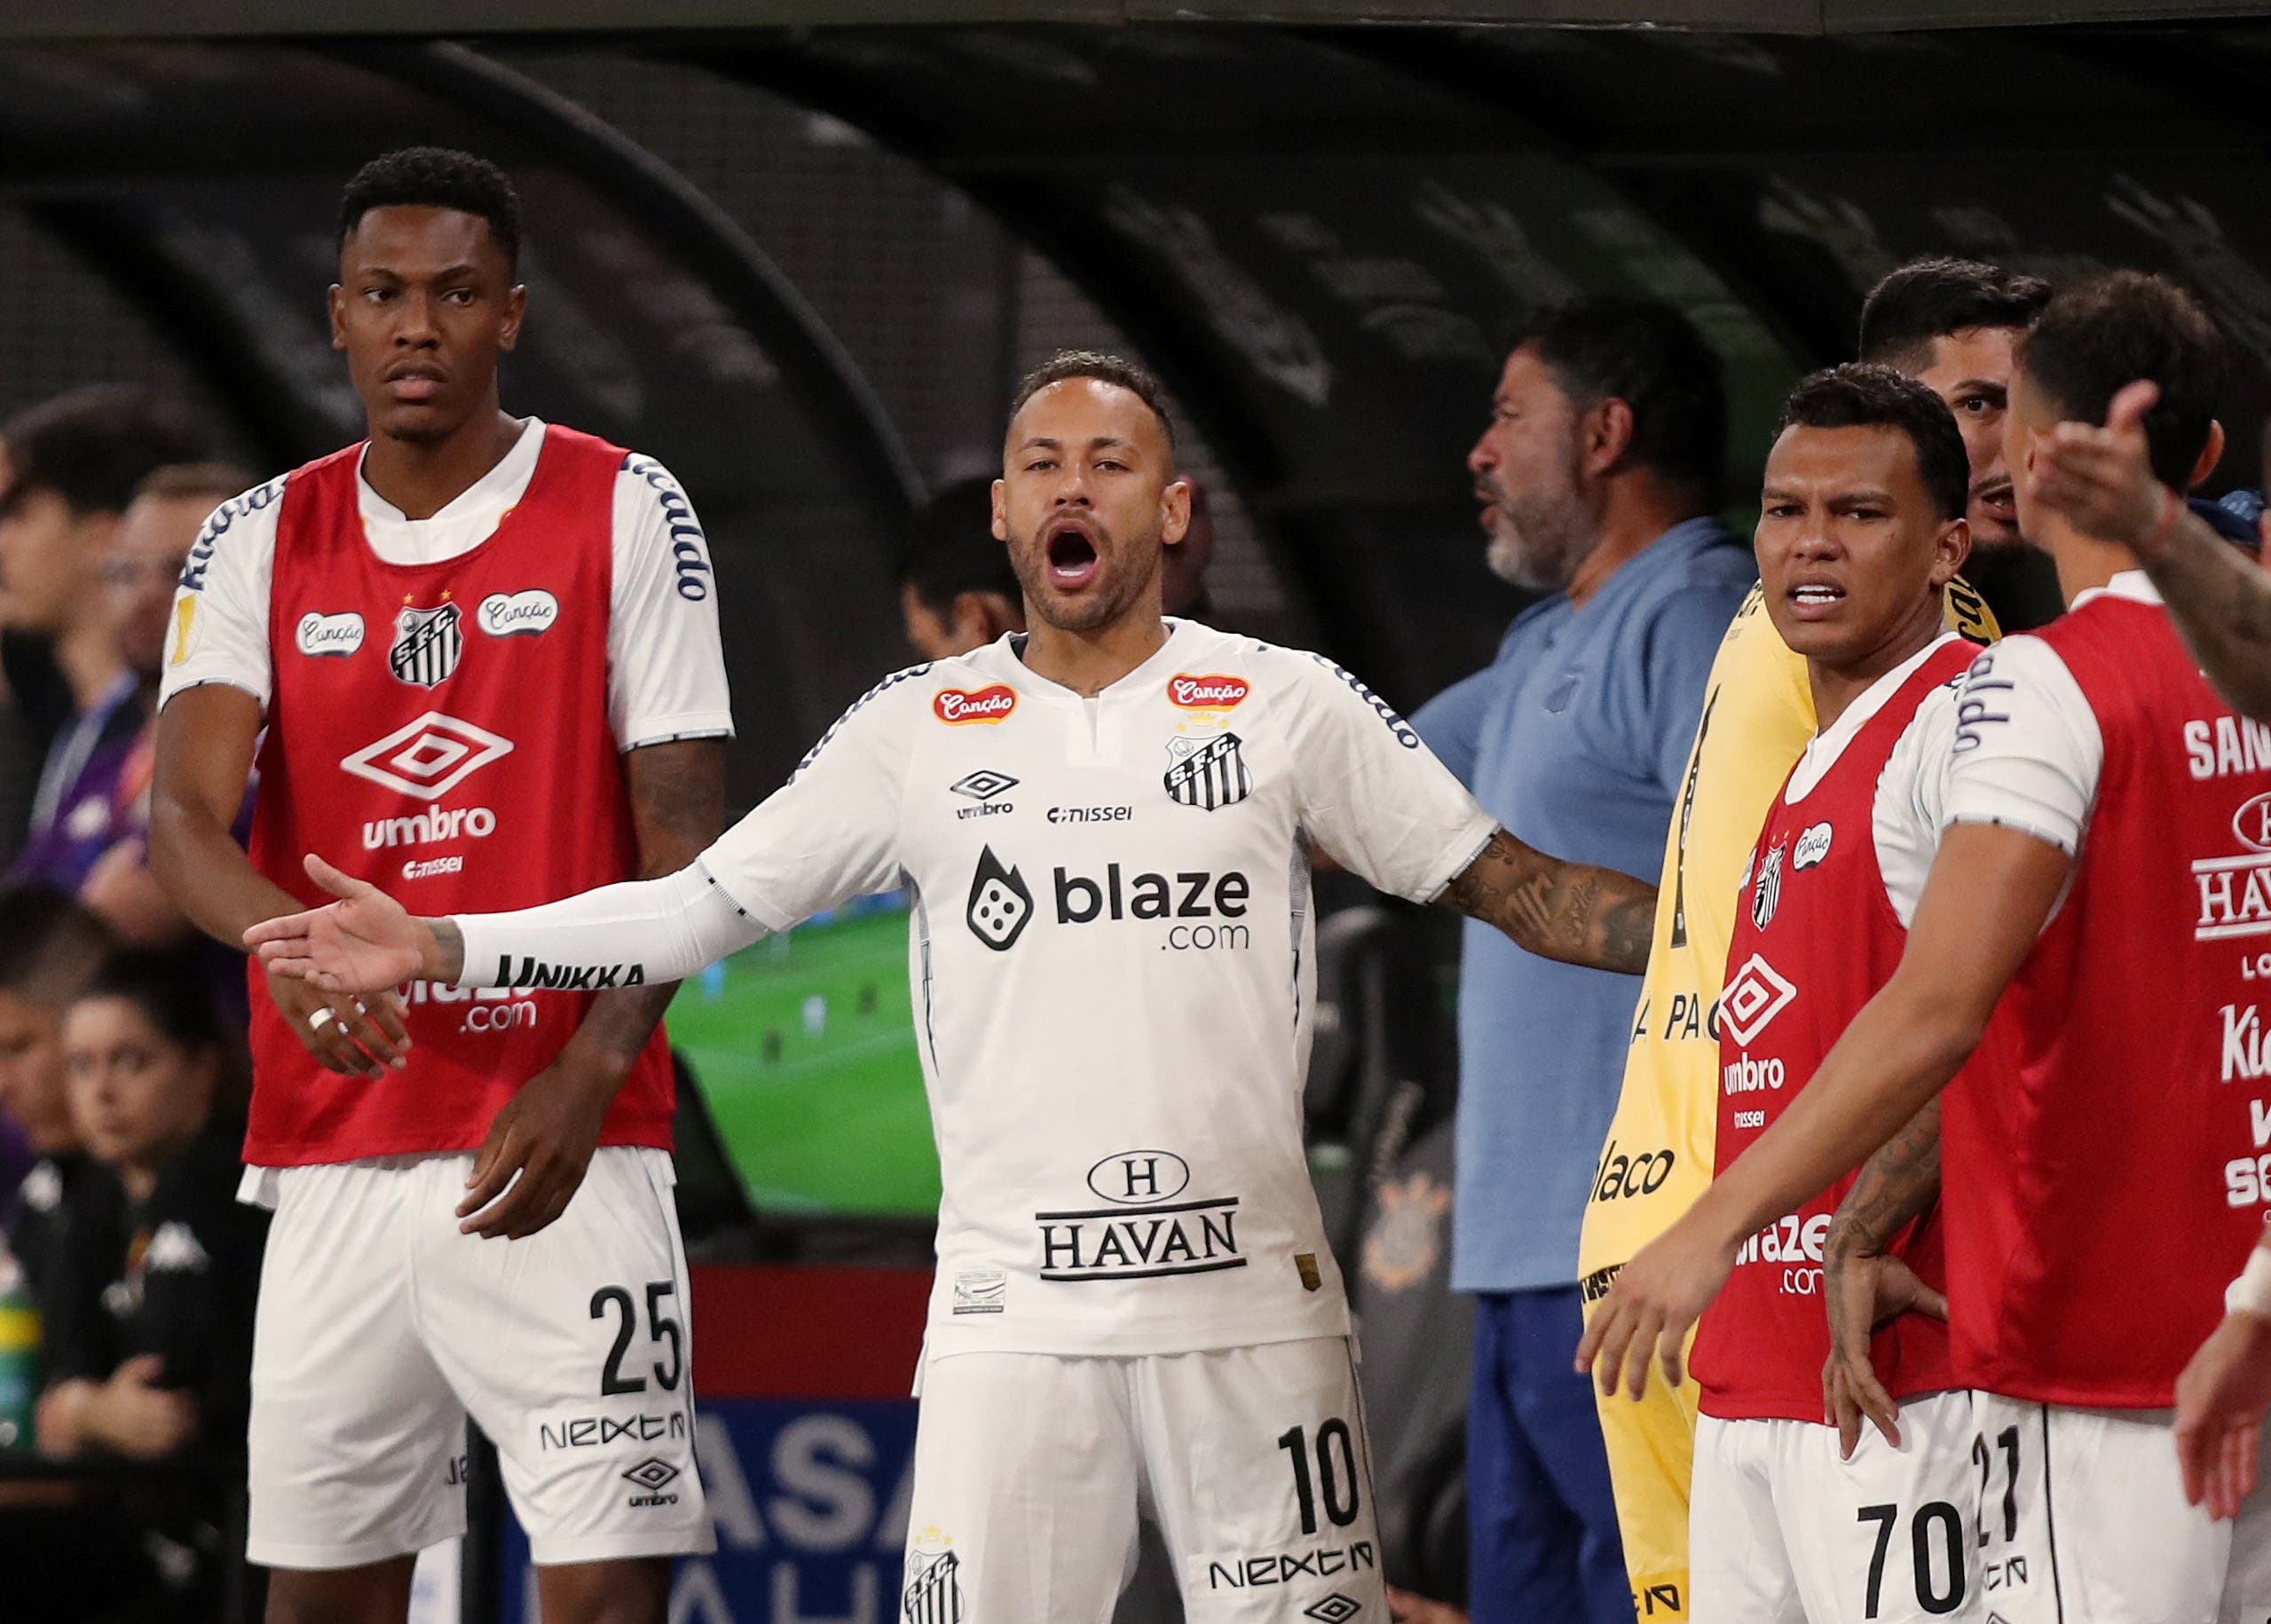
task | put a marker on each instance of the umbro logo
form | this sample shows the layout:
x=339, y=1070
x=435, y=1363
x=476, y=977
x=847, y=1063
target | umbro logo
x=1335, y=1608
x=427, y=757
x=1755, y=995
x=983, y=784
x=651, y=1477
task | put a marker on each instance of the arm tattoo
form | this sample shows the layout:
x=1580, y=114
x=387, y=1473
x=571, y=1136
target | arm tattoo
x=2223, y=604
x=1572, y=912
x=449, y=943
x=1897, y=1184
x=678, y=806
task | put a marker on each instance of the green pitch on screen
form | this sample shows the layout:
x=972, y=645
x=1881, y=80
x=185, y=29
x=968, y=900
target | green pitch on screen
x=805, y=1050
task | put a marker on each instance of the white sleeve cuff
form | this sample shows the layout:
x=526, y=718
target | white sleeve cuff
x=2011, y=803
x=668, y=729
x=1459, y=856
x=173, y=691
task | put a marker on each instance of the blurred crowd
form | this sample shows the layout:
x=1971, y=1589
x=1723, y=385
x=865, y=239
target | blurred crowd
x=126, y=1285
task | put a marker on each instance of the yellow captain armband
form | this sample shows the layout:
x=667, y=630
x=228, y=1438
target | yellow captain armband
x=1967, y=612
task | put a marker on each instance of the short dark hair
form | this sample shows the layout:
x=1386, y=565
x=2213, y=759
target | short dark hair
x=436, y=177
x=1930, y=298
x=1113, y=369
x=166, y=990
x=93, y=445
x=952, y=551
x=2092, y=341
x=50, y=945
x=1857, y=395
x=1648, y=355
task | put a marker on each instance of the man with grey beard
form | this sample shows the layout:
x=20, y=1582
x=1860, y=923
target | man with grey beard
x=1598, y=477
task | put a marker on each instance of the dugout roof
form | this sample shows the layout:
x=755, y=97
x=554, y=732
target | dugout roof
x=1318, y=233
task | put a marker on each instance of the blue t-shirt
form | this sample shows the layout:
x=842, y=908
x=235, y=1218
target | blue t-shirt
x=1574, y=738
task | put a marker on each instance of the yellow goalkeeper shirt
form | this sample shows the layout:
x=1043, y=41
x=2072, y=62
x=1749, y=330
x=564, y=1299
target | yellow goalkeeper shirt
x=1758, y=714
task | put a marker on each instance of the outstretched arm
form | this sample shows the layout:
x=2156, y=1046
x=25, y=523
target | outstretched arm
x=533, y=1158
x=1990, y=890
x=2101, y=479
x=635, y=934
x=830, y=833
x=1863, y=1286
x=1572, y=911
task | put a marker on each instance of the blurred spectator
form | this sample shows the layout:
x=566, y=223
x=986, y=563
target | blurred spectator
x=73, y=466
x=1597, y=475
x=167, y=1357
x=1185, y=563
x=49, y=950
x=956, y=589
x=93, y=838
x=152, y=1361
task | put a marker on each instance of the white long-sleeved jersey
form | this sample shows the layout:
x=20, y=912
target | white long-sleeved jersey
x=1111, y=951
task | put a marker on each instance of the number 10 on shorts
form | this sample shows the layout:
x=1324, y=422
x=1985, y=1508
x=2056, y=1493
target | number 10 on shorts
x=1336, y=1473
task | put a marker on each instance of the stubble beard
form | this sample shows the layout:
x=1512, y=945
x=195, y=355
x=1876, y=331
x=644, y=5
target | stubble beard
x=1540, y=550
x=1093, y=611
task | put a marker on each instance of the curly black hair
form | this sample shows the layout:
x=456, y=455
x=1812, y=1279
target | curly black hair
x=437, y=178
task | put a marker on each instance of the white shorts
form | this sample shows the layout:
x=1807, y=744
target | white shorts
x=1031, y=1470
x=2084, y=1522
x=1782, y=1531
x=381, y=1327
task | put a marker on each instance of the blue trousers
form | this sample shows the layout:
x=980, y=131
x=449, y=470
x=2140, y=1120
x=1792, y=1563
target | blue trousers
x=1542, y=1522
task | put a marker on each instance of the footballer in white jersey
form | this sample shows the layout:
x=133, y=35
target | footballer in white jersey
x=1107, y=823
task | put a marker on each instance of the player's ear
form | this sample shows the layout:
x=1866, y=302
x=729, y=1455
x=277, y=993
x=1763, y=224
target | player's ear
x=1608, y=432
x=1001, y=511
x=516, y=309
x=1953, y=547
x=2212, y=453
x=1175, y=511
x=336, y=302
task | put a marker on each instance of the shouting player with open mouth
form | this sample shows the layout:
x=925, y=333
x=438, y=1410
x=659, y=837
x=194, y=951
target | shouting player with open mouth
x=1107, y=824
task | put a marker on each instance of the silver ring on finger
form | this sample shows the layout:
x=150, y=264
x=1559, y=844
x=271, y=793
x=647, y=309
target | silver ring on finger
x=317, y=1021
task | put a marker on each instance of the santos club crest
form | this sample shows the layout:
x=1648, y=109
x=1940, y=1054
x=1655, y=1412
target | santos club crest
x=426, y=644
x=1766, y=894
x=1207, y=772
x=934, y=1592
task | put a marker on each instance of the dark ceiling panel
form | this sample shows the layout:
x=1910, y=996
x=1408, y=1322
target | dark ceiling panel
x=1321, y=235
x=84, y=20
x=1322, y=249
